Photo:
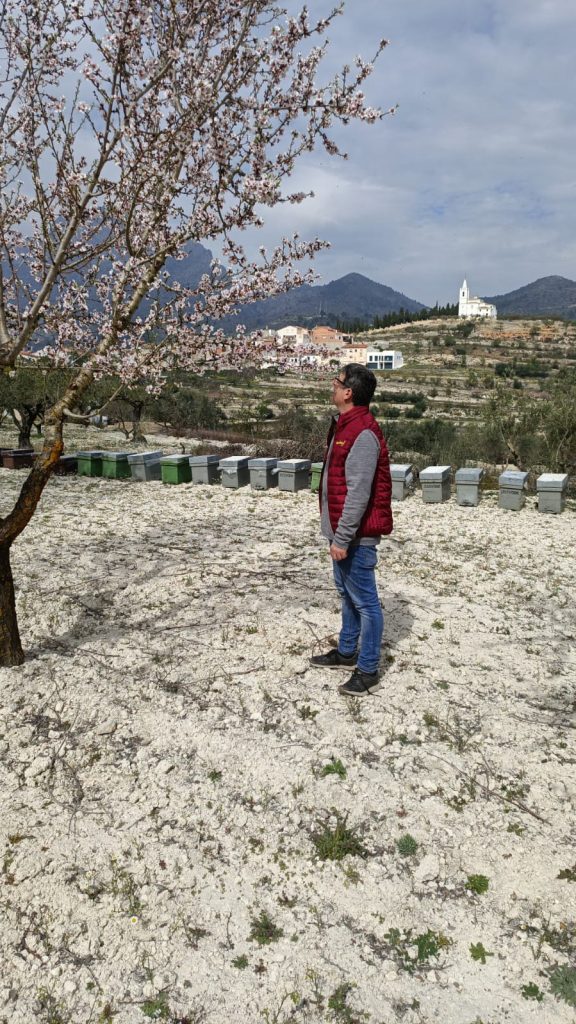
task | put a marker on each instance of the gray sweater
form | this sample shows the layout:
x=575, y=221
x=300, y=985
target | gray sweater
x=360, y=468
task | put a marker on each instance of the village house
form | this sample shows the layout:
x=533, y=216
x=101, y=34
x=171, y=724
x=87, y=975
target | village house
x=354, y=353
x=327, y=337
x=293, y=335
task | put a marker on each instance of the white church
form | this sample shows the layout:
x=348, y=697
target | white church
x=473, y=306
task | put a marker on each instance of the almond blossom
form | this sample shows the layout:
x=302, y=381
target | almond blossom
x=129, y=130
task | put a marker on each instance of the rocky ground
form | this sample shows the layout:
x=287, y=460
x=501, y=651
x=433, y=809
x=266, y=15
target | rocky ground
x=196, y=827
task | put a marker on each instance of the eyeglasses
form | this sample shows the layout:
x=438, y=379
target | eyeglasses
x=340, y=383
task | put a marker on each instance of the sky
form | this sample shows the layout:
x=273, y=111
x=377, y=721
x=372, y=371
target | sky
x=475, y=174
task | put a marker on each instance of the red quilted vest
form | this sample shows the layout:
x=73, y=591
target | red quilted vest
x=377, y=519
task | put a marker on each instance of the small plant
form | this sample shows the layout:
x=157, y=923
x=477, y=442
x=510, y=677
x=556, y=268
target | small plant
x=240, y=962
x=514, y=788
x=562, y=938
x=516, y=828
x=334, y=767
x=478, y=884
x=437, y=624
x=406, y=845
x=123, y=884
x=50, y=1009
x=214, y=775
x=531, y=991
x=194, y=933
x=563, y=984
x=306, y=712
x=569, y=874
x=412, y=952
x=156, y=1008
x=453, y=731
x=106, y=1015
x=466, y=794
x=263, y=930
x=478, y=952
x=340, y=1008
x=338, y=842
x=352, y=876
x=276, y=1016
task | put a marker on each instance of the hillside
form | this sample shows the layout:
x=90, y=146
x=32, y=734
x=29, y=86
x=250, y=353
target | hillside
x=350, y=297
x=548, y=296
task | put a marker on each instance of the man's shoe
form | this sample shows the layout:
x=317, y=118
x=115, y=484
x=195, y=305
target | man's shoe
x=360, y=684
x=333, y=659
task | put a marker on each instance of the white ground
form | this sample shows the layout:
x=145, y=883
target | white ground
x=162, y=752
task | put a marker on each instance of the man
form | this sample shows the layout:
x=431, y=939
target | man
x=355, y=492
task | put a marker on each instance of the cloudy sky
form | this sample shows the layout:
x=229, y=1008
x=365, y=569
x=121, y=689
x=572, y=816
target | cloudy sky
x=476, y=173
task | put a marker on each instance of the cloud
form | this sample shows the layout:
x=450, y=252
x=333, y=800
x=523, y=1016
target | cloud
x=477, y=171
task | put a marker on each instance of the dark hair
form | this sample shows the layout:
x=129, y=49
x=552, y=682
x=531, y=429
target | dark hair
x=361, y=381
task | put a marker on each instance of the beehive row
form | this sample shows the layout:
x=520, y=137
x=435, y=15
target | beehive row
x=296, y=475
x=435, y=481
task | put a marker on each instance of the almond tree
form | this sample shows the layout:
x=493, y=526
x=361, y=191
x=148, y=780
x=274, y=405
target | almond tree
x=130, y=129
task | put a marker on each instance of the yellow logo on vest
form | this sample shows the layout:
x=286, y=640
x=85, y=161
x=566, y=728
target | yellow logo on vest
x=344, y=443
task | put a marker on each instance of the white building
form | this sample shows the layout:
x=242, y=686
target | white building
x=387, y=360
x=473, y=306
x=293, y=335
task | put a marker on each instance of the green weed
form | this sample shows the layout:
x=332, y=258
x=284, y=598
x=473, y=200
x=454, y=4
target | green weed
x=563, y=984
x=454, y=731
x=340, y=1008
x=334, y=767
x=406, y=845
x=531, y=991
x=413, y=952
x=478, y=952
x=307, y=713
x=338, y=842
x=478, y=884
x=263, y=930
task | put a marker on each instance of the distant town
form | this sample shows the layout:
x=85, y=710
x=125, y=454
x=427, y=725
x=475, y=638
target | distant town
x=324, y=345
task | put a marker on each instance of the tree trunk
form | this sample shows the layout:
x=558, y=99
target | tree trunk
x=11, y=652
x=29, y=415
x=11, y=526
x=137, y=435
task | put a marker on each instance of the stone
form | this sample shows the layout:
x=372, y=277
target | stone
x=428, y=869
x=106, y=728
x=38, y=767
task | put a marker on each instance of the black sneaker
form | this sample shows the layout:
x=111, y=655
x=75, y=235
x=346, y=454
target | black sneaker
x=333, y=659
x=360, y=684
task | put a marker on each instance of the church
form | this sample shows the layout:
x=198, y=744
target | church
x=473, y=306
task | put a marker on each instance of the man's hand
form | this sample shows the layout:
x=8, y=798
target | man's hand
x=337, y=554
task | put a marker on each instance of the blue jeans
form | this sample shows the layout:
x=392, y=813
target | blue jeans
x=361, y=612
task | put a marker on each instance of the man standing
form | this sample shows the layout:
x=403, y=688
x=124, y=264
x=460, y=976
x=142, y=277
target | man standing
x=355, y=492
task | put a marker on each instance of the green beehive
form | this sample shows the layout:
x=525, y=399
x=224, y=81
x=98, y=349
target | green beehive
x=176, y=469
x=316, y=474
x=89, y=463
x=115, y=465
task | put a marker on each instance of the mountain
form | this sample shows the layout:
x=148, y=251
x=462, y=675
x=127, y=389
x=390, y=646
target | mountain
x=189, y=270
x=548, y=296
x=353, y=297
